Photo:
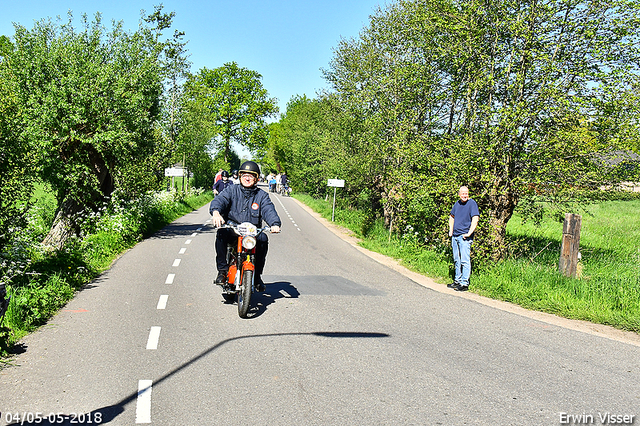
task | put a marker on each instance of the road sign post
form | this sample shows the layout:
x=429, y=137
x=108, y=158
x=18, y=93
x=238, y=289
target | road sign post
x=173, y=172
x=335, y=183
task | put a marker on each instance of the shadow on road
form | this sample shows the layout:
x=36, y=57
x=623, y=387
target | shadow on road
x=109, y=413
x=273, y=292
x=181, y=230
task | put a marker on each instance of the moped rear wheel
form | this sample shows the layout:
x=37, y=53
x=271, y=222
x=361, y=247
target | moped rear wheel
x=244, y=297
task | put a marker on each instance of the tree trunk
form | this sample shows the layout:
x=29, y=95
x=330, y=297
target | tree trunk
x=500, y=211
x=64, y=226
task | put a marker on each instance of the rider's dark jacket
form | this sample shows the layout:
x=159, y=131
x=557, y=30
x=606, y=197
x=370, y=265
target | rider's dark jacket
x=222, y=184
x=240, y=204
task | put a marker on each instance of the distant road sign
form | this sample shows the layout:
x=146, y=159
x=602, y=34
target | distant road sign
x=173, y=171
x=338, y=183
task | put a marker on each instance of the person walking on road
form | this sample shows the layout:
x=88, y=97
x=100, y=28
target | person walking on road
x=463, y=220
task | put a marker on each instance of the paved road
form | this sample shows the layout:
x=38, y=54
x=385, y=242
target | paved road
x=337, y=339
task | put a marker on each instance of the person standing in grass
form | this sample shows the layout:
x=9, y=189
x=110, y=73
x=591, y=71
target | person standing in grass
x=463, y=220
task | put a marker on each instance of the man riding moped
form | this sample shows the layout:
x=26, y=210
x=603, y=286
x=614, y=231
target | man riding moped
x=243, y=203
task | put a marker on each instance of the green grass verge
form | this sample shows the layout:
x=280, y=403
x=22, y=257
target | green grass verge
x=607, y=291
x=47, y=281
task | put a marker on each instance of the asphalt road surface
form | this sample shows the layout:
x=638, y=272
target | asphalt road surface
x=337, y=339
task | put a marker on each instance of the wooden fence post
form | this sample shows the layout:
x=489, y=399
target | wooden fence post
x=569, y=250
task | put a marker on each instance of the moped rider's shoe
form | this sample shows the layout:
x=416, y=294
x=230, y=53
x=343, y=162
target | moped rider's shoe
x=222, y=278
x=259, y=284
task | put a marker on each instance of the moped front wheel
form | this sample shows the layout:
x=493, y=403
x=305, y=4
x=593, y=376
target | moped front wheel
x=244, y=296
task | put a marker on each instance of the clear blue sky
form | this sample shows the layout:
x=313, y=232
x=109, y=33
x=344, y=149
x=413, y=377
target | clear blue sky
x=287, y=41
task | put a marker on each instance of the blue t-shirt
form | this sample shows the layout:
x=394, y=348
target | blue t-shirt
x=462, y=214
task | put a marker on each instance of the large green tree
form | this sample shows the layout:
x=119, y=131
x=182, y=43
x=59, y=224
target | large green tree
x=89, y=106
x=235, y=106
x=16, y=161
x=316, y=140
x=503, y=96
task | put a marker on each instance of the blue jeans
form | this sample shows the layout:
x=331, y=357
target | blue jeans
x=462, y=258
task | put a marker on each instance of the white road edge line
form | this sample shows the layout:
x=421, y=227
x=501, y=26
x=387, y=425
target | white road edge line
x=287, y=212
x=170, y=278
x=154, y=336
x=162, y=302
x=143, y=403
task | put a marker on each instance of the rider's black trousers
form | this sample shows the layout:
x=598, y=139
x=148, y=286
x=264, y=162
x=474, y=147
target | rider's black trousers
x=227, y=236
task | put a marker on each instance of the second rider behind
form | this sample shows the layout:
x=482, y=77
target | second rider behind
x=243, y=203
x=222, y=184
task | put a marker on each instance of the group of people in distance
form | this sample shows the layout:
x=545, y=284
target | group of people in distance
x=245, y=202
x=277, y=182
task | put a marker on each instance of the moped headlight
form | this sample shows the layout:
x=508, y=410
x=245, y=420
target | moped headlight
x=249, y=242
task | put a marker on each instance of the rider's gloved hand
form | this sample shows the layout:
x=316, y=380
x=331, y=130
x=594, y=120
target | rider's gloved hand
x=275, y=229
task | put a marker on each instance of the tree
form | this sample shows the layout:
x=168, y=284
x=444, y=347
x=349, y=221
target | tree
x=299, y=144
x=16, y=162
x=234, y=103
x=89, y=103
x=502, y=96
x=175, y=67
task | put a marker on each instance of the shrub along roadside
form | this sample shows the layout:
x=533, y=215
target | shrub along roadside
x=42, y=282
x=607, y=292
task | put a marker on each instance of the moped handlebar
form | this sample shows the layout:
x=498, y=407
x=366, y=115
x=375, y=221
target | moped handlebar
x=245, y=228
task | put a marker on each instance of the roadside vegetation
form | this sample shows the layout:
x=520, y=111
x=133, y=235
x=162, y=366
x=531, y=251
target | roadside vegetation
x=525, y=104
x=41, y=281
x=92, y=119
x=606, y=292
x=522, y=103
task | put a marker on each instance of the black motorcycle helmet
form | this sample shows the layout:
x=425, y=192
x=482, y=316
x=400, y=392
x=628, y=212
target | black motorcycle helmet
x=250, y=167
x=224, y=173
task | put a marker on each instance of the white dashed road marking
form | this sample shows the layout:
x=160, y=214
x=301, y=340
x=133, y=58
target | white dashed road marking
x=154, y=336
x=143, y=403
x=285, y=294
x=162, y=302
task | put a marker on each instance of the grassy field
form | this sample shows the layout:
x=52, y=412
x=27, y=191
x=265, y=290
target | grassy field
x=607, y=291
